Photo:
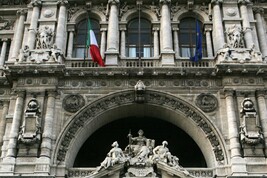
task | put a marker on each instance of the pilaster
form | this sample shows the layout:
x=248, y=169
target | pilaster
x=167, y=53
x=113, y=34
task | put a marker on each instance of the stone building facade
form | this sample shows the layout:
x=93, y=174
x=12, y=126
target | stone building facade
x=60, y=111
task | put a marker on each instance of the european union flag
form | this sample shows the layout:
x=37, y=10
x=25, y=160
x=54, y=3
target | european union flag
x=198, y=50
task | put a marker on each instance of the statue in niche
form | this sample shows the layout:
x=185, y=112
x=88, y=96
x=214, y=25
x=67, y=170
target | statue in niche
x=235, y=37
x=44, y=38
x=250, y=130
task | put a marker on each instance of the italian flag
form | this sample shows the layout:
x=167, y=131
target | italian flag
x=91, y=43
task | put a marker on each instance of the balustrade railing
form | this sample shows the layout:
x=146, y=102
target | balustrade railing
x=144, y=63
x=197, y=172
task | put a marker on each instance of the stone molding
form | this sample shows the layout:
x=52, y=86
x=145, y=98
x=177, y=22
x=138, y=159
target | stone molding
x=128, y=97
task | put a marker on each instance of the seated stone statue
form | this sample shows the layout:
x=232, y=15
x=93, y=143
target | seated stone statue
x=160, y=152
x=114, y=156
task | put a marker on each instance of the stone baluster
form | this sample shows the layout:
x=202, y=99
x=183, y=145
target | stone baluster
x=261, y=32
x=123, y=42
x=3, y=52
x=260, y=94
x=176, y=42
x=14, y=131
x=233, y=132
x=156, y=41
x=167, y=53
x=60, y=31
x=34, y=23
x=19, y=31
x=70, y=44
x=246, y=23
x=218, y=33
x=3, y=122
x=113, y=34
x=209, y=42
x=47, y=137
x=103, y=42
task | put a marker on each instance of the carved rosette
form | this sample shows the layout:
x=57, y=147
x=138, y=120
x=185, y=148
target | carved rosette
x=128, y=97
x=206, y=102
x=72, y=103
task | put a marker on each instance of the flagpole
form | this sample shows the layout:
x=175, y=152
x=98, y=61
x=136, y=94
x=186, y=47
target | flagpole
x=85, y=41
x=139, y=35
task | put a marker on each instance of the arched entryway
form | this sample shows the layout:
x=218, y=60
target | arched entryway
x=157, y=105
x=94, y=150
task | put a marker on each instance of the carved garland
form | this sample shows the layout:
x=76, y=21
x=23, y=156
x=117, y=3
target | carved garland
x=127, y=97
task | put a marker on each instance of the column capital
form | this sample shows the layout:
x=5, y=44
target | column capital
x=123, y=29
x=229, y=92
x=155, y=28
x=62, y=2
x=114, y=2
x=4, y=39
x=103, y=29
x=216, y=2
x=36, y=3
x=22, y=12
x=51, y=93
x=258, y=10
x=175, y=29
x=20, y=92
x=260, y=92
x=243, y=2
x=165, y=2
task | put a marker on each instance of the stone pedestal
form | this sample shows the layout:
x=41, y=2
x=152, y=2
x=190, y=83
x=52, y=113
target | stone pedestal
x=167, y=58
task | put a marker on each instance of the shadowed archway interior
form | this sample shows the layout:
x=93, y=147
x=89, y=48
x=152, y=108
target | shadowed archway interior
x=94, y=150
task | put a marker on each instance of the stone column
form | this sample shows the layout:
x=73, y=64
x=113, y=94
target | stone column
x=123, y=42
x=238, y=164
x=34, y=23
x=232, y=124
x=246, y=23
x=70, y=44
x=113, y=34
x=3, y=121
x=218, y=33
x=261, y=32
x=103, y=42
x=167, y=53
x=176, y=42
x=209, y=42
x=156, y=41
x=47, y=137
x=60, y=33
x=260, y=94
x=17, y=41
x=3, y=52
x=14, y=131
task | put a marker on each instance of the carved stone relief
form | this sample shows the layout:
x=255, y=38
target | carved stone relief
x=5, y=24
x=44, y=38
x=206, y=102
x=72, y=103
x=128, y=97
x=30, y=131
x=235, y=36
x=250, y=133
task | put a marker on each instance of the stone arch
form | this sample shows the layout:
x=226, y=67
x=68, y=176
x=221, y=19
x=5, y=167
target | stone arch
x=158, y=104
x=182, y=13
x=132, y=13
x=82, y=14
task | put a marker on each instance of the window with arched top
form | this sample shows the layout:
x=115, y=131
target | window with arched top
x=139, y=38
x=79, y=46
x=187, y=37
